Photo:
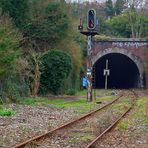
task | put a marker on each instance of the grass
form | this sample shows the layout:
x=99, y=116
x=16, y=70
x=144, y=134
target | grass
x=28, y=101
x=106, y=98
x=141, y=112
x=121, y=107
x=102, y=95
x=123, y=125
x=6, y=112
x=57, y=103
x=138, y=116
x=100, y=92
x=80, y=106
x=79, y=137
x=61, y=102
x=81, y=93
x=87, y=137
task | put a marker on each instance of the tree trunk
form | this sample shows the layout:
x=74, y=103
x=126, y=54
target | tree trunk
x=36, y=77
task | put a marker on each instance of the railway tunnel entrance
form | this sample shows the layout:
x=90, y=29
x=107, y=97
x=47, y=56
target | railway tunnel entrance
x=124, y=73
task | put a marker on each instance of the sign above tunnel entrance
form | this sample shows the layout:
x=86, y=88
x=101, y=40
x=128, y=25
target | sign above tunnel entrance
x=106, y=72
x=129, y=44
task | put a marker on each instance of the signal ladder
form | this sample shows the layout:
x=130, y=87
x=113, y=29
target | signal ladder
x=94, y=82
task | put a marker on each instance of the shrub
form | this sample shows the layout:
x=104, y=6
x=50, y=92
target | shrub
x=10, y=52
x=56, y=68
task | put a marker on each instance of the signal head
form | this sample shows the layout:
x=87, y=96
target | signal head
x=91, y=19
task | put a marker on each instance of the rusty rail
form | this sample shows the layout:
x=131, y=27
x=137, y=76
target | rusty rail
x=107, y=130
x=93, y=143
x=63, y=126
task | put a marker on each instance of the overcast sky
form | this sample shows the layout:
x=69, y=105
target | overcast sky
x=88, y=0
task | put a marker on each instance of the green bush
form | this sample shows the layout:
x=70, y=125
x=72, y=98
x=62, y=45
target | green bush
x=56, y=68
x=10, y=52
x=17, y=10
x=49, y=23
x=12, y=88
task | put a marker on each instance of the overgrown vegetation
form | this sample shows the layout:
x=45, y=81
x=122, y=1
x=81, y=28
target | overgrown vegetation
x=138, y=116
x=129, y=24
x=80, y=105
x=10, y=52
x=32, y=29
x=56, y=68
x=141, y=113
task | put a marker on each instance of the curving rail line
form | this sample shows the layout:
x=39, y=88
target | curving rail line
x=93, y=143
x=23, y=144
x=107, y=130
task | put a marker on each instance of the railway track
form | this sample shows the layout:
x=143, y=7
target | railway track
x=94, y=142
x=37, y=141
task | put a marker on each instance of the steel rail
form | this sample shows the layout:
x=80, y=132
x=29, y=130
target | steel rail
x=63, y=126
x=108, y=129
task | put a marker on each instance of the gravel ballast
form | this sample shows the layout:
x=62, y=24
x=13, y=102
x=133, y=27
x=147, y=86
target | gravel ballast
x=30, y=121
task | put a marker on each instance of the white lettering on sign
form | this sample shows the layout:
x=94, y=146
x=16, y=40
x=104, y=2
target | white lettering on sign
x=129, y=44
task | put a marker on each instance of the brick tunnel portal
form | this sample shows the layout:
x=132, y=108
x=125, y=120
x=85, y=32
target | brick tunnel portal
x=124, y=73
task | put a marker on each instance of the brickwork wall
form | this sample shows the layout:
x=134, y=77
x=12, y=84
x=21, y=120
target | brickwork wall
x=138, y=48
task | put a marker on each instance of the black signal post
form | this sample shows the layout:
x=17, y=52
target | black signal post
x=91, y=19
x=90, y=32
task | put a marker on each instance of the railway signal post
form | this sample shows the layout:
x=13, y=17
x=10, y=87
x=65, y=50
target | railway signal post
x=90, y=32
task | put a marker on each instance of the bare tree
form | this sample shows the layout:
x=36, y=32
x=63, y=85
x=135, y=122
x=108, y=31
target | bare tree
x=136, y=10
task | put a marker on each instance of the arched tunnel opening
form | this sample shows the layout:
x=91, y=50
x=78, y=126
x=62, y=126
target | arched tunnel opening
x=124, y=73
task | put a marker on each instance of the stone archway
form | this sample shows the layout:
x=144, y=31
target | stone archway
x=126, y=53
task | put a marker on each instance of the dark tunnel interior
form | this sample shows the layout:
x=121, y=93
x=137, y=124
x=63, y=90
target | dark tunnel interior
x=124, y=73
